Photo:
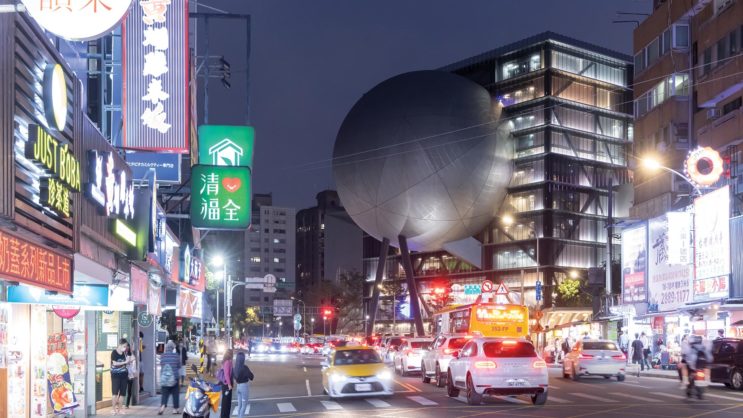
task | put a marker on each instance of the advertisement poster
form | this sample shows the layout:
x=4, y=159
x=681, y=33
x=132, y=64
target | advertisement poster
x=109, y=322
x=17, y=357
x=59, y=383
x=712, y=244
x=669, y=285
x=634, y=264
x=680, y=250
x=3, y=334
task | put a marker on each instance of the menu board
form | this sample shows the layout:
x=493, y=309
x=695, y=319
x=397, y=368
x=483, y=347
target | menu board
x=17, y=361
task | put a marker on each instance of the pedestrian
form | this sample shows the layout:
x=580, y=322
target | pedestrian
x=170, y=364
x=183, y=352
x=624, y=342
x=242, y=376
x=132, y=371
x=585, y=336
x=141, y=370
x=681, y=366
x=224, y=375
x=119, y=374
x=565, y=346
x=720, y=334
x=250, y=346
x=637, y=348
x=211, y=353
x=645, y=350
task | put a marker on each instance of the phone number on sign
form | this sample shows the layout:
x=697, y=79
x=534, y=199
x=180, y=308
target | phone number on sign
x=678, y=296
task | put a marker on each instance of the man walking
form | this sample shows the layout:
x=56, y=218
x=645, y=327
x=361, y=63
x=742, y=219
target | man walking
x=645, y=350
x=637, y=348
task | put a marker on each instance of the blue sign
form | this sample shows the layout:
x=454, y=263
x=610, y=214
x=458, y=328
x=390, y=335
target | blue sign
x=538, y=290
x=83, y=295
x=166, y=165
x=472, y=289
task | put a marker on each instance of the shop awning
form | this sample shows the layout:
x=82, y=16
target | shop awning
x=556, y=318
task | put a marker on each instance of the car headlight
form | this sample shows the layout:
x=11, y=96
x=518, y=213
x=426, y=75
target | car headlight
x=337, y=377
x=384, y=375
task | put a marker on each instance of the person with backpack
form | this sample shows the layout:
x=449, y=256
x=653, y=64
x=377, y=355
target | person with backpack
x=242, y=376
x=170, y=365
x=698, y=357
x=224, y=376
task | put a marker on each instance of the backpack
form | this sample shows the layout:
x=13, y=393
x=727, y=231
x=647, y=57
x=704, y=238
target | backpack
x=167, y=377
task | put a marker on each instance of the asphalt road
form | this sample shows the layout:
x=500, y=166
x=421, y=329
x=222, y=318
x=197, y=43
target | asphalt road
x=290, y=386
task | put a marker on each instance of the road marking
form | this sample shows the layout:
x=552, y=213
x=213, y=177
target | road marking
x=634, y=385
x=408, y=386
x=247, y=411
x=307, y=383
x=330, y=405
x=551, y=398
x=512, y=399
x=423, y=401
x=286, y=407
x=378, y=403
x=305, y=369
x=730, y=398
x=594, y=398
x=639, y=398
x=669, y=395
x=554, y=387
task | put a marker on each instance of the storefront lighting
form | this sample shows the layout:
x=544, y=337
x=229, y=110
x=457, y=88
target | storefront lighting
x=124, y=232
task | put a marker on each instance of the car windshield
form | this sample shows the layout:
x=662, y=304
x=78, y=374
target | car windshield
x=348, y=357
x=457, y=342
x=508, y=349
x=418, y=344
x=599, y=345
x=394, y=341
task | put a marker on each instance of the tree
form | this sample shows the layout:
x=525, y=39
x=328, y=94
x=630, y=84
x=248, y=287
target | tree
x=247, y=319
x=572, y=293
x=349, y=301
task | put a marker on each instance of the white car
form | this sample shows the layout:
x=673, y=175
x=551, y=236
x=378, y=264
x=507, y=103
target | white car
x=436, y=360
x=594, y=358
x=390, y=347
x=498, y=366
x=410, y=355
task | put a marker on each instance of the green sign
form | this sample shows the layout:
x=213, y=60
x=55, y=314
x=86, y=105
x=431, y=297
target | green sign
x=220, y=197
x=226, y=145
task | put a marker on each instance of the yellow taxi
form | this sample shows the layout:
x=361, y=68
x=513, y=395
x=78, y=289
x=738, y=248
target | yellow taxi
x=356, y=371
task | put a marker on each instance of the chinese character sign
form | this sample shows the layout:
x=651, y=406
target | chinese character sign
x=226, y=145
x=78, y=20
x=669, y=285
x=712, y=245
x=109, y=186
x=634, y=264
x=679, y=238
x=156, y=70
x=220, y=197
x=35, y=265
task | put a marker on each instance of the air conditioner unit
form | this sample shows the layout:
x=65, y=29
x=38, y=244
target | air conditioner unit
x=713, y=113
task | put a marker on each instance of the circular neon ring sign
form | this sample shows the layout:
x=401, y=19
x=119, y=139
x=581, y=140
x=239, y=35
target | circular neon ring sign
x=713, y=162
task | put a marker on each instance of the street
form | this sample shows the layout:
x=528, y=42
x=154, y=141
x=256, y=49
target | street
x=290, y=386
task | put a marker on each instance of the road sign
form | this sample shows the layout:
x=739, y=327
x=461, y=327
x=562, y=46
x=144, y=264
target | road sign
x=297, y=318
x=538, y=290
x=487, y=286
x=282, y=307
x=297, y=326
x=502, y=290
x=538, y=314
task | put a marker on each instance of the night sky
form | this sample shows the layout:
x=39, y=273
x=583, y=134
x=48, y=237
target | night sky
x=312, y=59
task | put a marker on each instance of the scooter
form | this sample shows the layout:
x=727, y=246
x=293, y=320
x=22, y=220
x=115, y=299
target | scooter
x=200, y=395
x=697, y=382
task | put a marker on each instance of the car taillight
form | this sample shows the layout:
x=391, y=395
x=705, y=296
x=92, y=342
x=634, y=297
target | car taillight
x=585, y=356
x=449, y=351
x=619, y=357
x=485, y=365
x=539, y=364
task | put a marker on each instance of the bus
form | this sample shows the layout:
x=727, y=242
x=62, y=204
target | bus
x=486, y=319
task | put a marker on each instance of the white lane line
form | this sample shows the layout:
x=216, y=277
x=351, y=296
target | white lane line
x=423, y=401
x=668, y=395
x=512, y=399
x=634, y=385
x=378, y=403
x=554, y=387
x=593, y=398
x=551, y=398
x=330, y=405
x=247, y=411
x=639, y=398
x=286, y=407
x=307, y=383
x=305, y=369
x=730, y=398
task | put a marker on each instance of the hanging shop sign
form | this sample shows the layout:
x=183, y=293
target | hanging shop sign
x=55, y=96
x=226, y=145
x=62, y=170
x=79, y=20
x=86, y=295
x=634, y=264
x=156, y=114
x=221, y=197
x=144, y=319
x=138, y=285
x=109, y=186
x=68, y=312
x=192, y=270
x=679, y=246
x=32, y=264
x=166, y=165
x=153, y=300
x=189, y=304
x=712, y=245
x=669, y=285
x=704, y=166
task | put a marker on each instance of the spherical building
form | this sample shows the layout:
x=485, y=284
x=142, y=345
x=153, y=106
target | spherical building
x=423, y=155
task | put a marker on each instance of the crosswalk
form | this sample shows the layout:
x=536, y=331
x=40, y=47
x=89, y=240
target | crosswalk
x=556, y=397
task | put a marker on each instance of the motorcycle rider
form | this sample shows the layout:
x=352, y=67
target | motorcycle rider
x=698, y=356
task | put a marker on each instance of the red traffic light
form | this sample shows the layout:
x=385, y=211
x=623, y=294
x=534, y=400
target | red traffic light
x=327, y=312
x=439, y=290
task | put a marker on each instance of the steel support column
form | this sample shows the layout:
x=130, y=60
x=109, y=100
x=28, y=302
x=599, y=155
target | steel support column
x=377, y=282
x=407, y=265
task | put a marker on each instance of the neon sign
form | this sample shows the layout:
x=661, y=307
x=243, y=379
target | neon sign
x=109, y=187
x=78, y=20
x=704, y=166
x=499, y=313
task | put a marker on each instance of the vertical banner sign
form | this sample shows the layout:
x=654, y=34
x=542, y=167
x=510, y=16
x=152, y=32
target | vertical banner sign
x=634, y=264
x=679, y=238
x=669, y=285
x=156, y=76
x=712, y=245
x=138, y=286
x=59, y=383
x=153, y=300
x=220, y=197
x=226, y=145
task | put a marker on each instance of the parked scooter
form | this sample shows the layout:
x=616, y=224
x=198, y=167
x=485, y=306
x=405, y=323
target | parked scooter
x=201, y=395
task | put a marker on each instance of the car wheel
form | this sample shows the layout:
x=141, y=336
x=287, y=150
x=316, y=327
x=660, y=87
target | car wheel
x=451, y=391
x=539, y=398
x=574, y=374
x=607, y=377
x=473, y=398
x=424, y=377
x=403, y=370
x=620, y=378
x=736, y=379
x=439, y=378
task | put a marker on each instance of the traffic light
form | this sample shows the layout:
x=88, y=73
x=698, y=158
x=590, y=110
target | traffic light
x=327, y=312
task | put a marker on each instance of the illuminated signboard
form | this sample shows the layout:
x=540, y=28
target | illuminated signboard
x=57, y=161
x=712, y=245
x=33, y=264
x=78, y=20
x=124, y=232
x=109, y=186
x=634, y=264
x=220, y=197
x=669, y=284
x=156, y=114
x=226, y=145
x=55, y=96
x=704, y=166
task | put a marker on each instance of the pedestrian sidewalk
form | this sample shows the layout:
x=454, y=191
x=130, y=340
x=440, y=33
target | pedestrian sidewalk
x=633, y=368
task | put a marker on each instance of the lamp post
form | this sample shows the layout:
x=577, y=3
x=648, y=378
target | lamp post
x=281, y=324
x=366, y=321
x=653, y=164
x=312, y=320
x=218, y=261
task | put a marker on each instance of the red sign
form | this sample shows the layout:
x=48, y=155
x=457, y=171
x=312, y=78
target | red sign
x=33, y=264
x=658, y=323
x=487, y=286
x=66, y=312
x=138, y=286
x=502, y=290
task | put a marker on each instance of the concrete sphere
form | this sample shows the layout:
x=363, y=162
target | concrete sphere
x=423, y=155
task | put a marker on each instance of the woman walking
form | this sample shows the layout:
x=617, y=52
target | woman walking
x=170, y=365
x=242, y=376
x=133, y=371
x=224, y=375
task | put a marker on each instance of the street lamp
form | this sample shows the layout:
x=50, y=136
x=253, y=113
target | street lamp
x=654, y=165
x=366, y=320
x=218, y=261
x=312, y=320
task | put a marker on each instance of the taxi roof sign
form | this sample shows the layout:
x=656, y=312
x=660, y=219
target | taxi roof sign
x=502, y=290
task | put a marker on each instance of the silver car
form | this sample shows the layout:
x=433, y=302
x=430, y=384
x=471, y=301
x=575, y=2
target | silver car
x=594, y=358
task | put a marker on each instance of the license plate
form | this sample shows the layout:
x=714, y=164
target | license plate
x=517, y=383
x=363, y=387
